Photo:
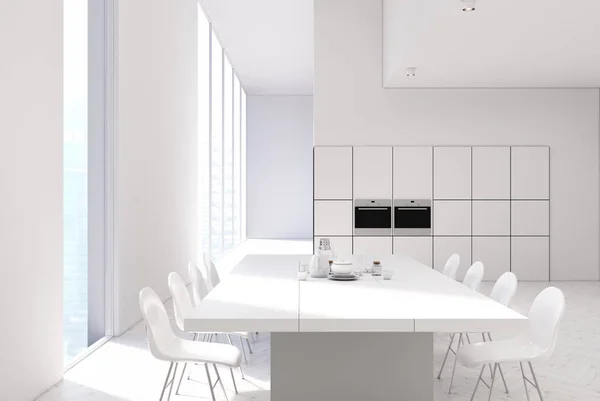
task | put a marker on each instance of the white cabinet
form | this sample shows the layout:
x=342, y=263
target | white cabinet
x=419, y=248
x=443, y=247
x=530, y=217
x=413, y=175
x=341, y=246
x=494, y=253
x=530, y=172
x=333, y=172
x=491, y=217
x=372, y=173
x=373, y=247
x=452, y=218
x=491, y=172
x=452, y=172
x=333, y=218
x=530, y=258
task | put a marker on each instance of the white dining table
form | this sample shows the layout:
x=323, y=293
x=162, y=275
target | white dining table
x=369, y=339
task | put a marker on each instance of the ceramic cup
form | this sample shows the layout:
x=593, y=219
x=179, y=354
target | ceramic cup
x=387, y=274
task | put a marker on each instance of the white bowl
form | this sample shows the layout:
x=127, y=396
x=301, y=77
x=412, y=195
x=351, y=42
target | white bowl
x=342, y=267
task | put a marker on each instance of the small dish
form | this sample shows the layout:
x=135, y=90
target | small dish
x=387, y=274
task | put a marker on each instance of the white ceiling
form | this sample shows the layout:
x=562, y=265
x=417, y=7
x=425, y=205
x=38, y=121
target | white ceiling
x=504, y=43
x=269, y=43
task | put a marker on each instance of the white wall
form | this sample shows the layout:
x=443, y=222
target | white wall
x=352, y=108
x=155, y=197
x=31, y=221
x=279, y=166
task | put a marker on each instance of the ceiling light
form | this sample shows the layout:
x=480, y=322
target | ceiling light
x=411, y=72
x=468, y=5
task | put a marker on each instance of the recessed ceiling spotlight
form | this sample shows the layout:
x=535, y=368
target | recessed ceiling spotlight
x=468, y=5
x=411, y=72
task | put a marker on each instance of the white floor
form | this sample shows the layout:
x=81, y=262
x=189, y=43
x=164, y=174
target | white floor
x=123, y=369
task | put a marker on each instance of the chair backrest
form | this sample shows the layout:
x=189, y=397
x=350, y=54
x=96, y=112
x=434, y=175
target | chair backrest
x=211, y=271
x=158, y=328
x=451, y=266
x=182, y=304
x=474, y=276
x=505, y=288
x=545, y=315
x=199, y=287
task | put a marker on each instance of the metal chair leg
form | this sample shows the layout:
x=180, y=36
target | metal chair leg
x=166, y=381
x=477, y=383
x=524, y=381
x=241, y=372
x=220, y=381
x=243, y=350
x=455, y=359
x=172, y=381
x=249, y=347
x=499, y=367
x=210, y=385
x=468, y=338
x=181, y=378
x=492, y=383
x=233, y=379
x=439, y=376
x=537, y=386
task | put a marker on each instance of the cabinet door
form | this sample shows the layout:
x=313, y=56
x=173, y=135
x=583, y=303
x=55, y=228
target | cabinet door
x=333, y=218
x=530, y=218
x=452, y=172
x=418, y=248
x=333, y=172
x=494, y=253
x=341, y=246
x=530, y=172
x=413, y=175
x=452, y=218
x=444, y=247
x=374, y=248
x=372, y=173
x=491, y=172
x=530, y=258
x=491, y=218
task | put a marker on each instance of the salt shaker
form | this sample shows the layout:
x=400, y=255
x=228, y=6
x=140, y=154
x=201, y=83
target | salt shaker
x=377, y=268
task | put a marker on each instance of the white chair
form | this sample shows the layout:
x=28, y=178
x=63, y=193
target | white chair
x=212, y=275
x=451, y=266
x=538, y=341
x=165, y=345
x=474, y=276
x=199, y=291
x=472, y=280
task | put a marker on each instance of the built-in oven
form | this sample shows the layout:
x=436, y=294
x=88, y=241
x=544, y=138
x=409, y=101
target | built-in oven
x=412, y=217
x=373, y=217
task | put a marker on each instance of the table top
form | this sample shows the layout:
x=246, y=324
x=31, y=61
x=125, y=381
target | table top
x=263, y=294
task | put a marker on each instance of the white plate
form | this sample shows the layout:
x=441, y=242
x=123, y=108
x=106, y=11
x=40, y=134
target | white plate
x=343, y=278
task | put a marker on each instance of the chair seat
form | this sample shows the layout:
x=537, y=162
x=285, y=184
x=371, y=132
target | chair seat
x=513, y=350
x=203, y=352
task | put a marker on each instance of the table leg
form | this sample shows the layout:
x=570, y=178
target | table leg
x=351, y=366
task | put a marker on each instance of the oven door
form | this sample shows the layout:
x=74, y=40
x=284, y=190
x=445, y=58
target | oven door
x=373, y=220
x=412, y=220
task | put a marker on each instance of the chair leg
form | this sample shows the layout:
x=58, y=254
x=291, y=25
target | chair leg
x=220, y=381
x=477, y=382
x=455, y=359
x=243, y=350
x=166, y=382
x=229, y=339
x=233, y=379
x=439, y=376
x=524, y=381
x=468, y=338
x=241, y=372
x=249, y=347
x=492, y=383
x=181, y=378
x=210, y=385
x=172, y=381
x=537, y=386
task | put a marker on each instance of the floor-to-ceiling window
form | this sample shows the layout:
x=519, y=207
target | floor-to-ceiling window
x=84, y=188
x=221, y=130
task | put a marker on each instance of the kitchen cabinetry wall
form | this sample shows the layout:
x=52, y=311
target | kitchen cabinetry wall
x=488, y=203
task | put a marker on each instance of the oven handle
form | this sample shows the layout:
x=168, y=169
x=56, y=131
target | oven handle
x=412, y=208
x=372, y=208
